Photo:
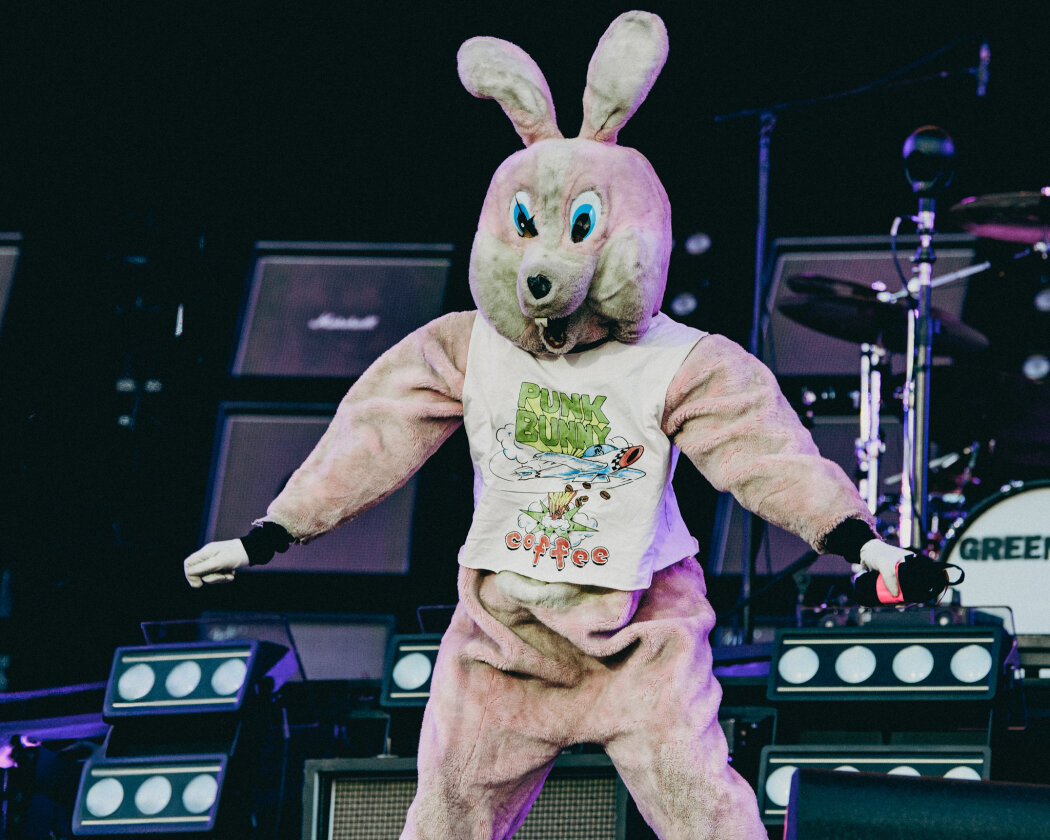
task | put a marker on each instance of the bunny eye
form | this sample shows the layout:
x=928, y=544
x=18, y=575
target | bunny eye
x=584, y=215
x=521, y=215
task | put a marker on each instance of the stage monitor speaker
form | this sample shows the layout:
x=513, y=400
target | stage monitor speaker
x=835, y=437
x=10, y=250
x=867, y=806
x=329, y=309
x=791, y=349
x=368, y=799
x=257, y=448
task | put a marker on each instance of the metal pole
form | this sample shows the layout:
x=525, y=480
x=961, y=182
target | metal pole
x=758, y=303
x=914, y=512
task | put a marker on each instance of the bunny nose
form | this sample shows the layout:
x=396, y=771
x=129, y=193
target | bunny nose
x=539, y=285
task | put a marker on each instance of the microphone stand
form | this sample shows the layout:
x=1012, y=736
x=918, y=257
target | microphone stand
x=928, y=153
x=761, y=280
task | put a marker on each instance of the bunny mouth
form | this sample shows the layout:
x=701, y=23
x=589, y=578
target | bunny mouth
x=554, y=331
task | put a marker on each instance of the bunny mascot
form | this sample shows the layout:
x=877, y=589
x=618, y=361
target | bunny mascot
x=582, y=615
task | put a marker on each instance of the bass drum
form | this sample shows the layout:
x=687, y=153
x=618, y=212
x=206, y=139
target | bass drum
x=1003, y=546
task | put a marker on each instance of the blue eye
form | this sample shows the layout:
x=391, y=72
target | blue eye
x=521, y=215
x=583, y=215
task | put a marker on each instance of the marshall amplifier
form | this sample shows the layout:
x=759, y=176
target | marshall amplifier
x=257, y=448
x=329, y=309
x=368, y=799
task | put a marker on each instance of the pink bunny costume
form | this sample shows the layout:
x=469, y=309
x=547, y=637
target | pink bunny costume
x=582, y=613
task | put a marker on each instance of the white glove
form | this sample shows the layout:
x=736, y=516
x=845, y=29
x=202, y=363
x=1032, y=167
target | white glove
x=215, y=563
x=881, y=557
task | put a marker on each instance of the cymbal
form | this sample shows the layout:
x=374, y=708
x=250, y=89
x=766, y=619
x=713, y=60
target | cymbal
x=870, y=321
x=1010, y=217
x=819, y=284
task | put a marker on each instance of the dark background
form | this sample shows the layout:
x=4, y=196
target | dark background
x=184, y=132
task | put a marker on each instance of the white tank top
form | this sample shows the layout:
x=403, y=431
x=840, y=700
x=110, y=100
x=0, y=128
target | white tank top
x=572, y=472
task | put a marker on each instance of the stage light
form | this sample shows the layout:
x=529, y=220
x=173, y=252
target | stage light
x=148, y=795
x=798, y=665
x=778, y=765
x=888, y=663
x=198, y=677
x=181, y=716
x=855, y=664
x=409, y=668
x=1036, y=367
x=913, y=664
x=971, y=664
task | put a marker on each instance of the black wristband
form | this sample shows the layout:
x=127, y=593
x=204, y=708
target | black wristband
x=265, y=540
x=848, y=537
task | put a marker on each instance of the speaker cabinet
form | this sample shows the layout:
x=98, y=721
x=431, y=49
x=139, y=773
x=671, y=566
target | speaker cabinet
x=864, y=806
x=791, y=349
x=257, y=448
x=329, y=309
x=835, y=437
x=368, y=799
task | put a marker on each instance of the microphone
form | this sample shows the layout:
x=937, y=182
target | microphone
x=921, y=581
x=981, y=71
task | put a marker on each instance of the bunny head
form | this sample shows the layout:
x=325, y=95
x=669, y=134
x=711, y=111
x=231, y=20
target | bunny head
x=575, y=234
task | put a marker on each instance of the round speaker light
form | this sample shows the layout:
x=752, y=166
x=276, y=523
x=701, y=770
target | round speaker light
x=798, y=665
x=778, y=785
x=153, y=795
x=963, y=772
x=912, y=664
x=136, y=682
x=855, y=664
x=200, y=794
x=971, y=664
x=846, y=768
x=229, y=677
x=183, y=679
x=903, y=770
x=104, y=797
x=411, y=671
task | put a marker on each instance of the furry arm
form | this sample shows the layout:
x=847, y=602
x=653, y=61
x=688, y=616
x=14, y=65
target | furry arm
x=725, y=411
x=394, y=417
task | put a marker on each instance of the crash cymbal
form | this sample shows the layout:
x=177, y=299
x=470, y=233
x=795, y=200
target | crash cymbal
x=869, y=321
x=1010, y=217
x=818, y=284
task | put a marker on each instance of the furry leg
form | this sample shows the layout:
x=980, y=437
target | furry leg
x=481, y=762
x=672, y=753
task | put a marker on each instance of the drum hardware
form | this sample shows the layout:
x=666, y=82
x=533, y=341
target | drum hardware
x=854, y=312
x=869, y=445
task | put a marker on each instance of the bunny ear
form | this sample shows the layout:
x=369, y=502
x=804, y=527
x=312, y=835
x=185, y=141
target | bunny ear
x=623, y=68
x=491, y=68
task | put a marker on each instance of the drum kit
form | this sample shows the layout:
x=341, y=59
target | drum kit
x=1002, y=540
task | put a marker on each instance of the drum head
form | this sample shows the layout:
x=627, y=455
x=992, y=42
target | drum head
x=1003, y=546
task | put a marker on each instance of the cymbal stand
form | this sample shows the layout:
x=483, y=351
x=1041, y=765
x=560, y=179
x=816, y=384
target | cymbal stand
x=869, y=446
x=914, y=511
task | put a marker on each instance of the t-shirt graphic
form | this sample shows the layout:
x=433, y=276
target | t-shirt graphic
x=573, y=482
